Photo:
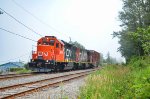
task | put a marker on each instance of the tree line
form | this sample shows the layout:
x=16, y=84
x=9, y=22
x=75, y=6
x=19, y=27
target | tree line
x=134, y=37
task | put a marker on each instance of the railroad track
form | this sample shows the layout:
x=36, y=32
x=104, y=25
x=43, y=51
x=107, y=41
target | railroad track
x=34, y=86
x=11, y=76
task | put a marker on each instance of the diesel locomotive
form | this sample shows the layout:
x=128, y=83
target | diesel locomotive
x=53, y=54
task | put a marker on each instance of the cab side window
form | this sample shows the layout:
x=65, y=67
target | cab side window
x=52, y=42
x=57, y=45
x=39, y=43
x=61, y=47
x=45, y=41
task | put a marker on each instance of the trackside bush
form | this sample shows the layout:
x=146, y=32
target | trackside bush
x=139, y=84
x=139, y=62
x=140, y=75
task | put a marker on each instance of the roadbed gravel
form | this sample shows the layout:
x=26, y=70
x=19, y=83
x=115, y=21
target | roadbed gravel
x=69, y=90
x=15, y=81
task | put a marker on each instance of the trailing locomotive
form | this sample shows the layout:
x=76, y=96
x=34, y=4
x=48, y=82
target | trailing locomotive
x=57, y=55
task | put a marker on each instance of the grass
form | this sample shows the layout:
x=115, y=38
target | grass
x=104, y=84
x=115, y=82
x=20, y=70
x=23, y=71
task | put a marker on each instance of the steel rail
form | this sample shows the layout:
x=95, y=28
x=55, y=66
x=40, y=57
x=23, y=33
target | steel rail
x=5, y=77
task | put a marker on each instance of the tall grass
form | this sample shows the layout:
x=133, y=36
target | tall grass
x=105, y=84
x=115, y=82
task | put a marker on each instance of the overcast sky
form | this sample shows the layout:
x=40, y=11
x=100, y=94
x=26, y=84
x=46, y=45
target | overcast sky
x=89, y=22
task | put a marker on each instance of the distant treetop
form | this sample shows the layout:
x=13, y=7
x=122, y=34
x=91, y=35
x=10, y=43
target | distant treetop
x=77, y=44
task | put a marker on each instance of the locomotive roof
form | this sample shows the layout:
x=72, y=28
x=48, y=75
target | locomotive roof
x=68, y=43
x=51, y=36
x=73, y=45
x=55, y=38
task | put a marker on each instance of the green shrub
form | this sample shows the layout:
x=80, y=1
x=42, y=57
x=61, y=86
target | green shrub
x=139, y=62
x=139, y=84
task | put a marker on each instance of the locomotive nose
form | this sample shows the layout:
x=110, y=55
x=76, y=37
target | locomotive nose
x=45, y=52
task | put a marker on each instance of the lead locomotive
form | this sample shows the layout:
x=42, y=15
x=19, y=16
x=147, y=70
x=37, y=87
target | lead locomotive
x=57, y=55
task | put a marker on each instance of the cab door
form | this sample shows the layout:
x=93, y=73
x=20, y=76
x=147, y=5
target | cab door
x=59, y=52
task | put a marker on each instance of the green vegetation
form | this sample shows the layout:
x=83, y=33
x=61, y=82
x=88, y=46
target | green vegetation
x=115, y=81
x=15, y=69
x=134, y=37
x=23, y=71
x=20, y=70
x=104, y=84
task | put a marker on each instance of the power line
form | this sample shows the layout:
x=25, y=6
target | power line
x=20, y=22
x=41, y=21
x=17, y=34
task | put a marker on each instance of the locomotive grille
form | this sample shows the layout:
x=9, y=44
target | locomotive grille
x=40, y=57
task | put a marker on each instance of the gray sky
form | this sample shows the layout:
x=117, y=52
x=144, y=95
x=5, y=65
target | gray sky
x=89, y=22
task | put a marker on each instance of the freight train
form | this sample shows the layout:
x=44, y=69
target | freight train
x=53, y=54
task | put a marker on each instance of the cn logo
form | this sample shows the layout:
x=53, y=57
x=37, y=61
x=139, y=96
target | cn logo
x=42, y=53
x=68, y=52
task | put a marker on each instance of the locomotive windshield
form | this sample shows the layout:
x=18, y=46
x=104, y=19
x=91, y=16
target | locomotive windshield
x=52, y=42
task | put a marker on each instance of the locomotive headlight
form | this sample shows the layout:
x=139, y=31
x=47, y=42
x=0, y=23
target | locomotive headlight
x=46, y=60
x=32, y=60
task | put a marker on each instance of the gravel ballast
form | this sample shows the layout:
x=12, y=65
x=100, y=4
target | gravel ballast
x=69, y=90
x=15, y=81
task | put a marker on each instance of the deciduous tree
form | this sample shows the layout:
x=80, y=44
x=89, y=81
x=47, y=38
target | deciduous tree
x=134, y=16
